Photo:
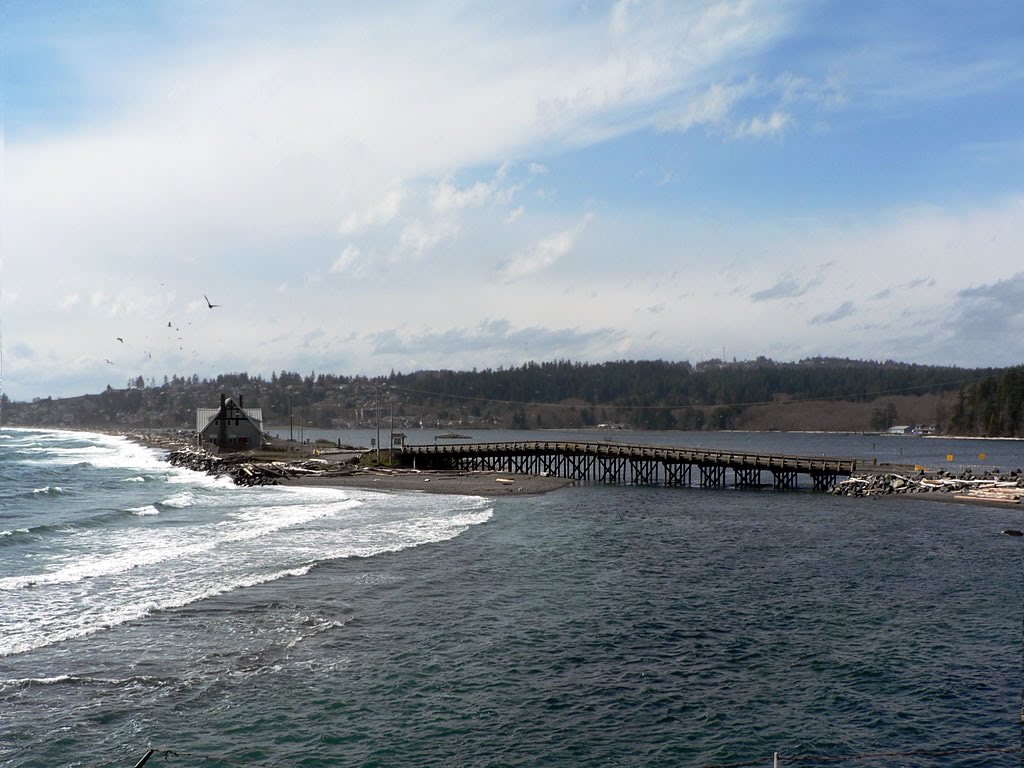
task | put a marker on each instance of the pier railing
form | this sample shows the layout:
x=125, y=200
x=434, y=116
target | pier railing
x=634, y=464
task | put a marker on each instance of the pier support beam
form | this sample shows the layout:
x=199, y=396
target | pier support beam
x=823, y=482
x=643, y=472
x=785, y=479
x=549, y=463
x=712, y=476
x=611, y=469
x=678, y=474
x=746, y=478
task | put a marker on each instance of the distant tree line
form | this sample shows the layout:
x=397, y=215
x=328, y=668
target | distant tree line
x=646, y=394
x=658, y=382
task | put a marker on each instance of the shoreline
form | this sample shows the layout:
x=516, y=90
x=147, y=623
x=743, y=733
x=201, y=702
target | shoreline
x=489, y=484
x=337, y=469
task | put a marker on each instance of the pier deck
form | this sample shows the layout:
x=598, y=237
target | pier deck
x=623, y=463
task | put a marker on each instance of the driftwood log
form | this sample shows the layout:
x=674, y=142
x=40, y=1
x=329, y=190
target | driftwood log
x=992, y=486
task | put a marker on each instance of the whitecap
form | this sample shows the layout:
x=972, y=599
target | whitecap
x=24, y=681
x=180, y=500
x=145, y=511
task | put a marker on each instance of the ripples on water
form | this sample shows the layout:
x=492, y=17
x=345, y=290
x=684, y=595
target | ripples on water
x=593, y=626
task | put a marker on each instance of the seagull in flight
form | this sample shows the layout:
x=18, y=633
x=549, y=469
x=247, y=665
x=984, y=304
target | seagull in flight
x=209, y=303
x=120, y=339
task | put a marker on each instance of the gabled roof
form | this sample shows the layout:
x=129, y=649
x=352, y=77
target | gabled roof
x=205, y=416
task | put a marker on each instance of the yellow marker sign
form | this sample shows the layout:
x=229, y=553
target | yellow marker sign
x=981, y=456
x=949, y=457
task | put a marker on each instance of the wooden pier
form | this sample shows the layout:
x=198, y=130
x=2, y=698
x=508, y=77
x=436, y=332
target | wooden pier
x=628, y=464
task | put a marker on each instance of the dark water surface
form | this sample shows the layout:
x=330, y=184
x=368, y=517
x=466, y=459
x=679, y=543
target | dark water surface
x=593, y=626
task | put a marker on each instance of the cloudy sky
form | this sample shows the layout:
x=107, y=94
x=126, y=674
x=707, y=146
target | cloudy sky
x=364, y=187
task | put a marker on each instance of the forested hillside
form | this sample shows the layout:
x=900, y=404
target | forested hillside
x=993, y=407
x=818, y=393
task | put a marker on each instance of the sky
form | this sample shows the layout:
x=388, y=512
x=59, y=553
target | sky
x=368, y=187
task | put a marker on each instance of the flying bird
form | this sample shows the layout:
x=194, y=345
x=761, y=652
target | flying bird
x=209, y=303
x=108, y=361
x=120, y=339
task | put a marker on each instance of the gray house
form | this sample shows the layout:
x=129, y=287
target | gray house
x=230, y=427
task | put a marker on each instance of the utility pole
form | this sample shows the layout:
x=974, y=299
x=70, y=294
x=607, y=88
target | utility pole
x=376, y=409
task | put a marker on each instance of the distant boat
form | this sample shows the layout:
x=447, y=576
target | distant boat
x=451, y=436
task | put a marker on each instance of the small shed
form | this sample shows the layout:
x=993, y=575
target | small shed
x=230, y=427
x=900, y=429
x=398, y=441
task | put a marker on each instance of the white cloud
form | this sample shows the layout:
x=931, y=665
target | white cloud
x=712, y=108
x=348, y=258
x=377, y=214
x=620, y=21
x=70, y=301
x=418, y=236
x=760, y=127
x=546, y=252
x=449, y=197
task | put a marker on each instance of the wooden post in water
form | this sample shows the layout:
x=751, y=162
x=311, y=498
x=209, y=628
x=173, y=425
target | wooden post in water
x=775, y=762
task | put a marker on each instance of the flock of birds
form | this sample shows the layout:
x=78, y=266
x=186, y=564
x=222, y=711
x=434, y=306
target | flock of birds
x=171, y=325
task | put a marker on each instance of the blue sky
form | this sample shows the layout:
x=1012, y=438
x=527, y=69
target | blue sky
x=457, y=185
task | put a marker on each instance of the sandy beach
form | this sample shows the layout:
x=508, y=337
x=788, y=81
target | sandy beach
x=464, y=483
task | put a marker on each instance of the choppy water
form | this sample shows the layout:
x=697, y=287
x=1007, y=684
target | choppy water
x=143, y=606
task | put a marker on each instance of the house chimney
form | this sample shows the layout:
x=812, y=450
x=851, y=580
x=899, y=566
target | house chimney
x=240, y=406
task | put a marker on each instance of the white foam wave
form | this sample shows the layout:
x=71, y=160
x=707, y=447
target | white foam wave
x=22, y=639
x=122, y=575
x=145, y=511
x=129, y=553
x=180, y=500
x=66, y=448
x=23, y=681
x=312, y=626
x=49, y=490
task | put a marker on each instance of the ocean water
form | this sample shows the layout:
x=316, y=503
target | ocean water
x=148, y=607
